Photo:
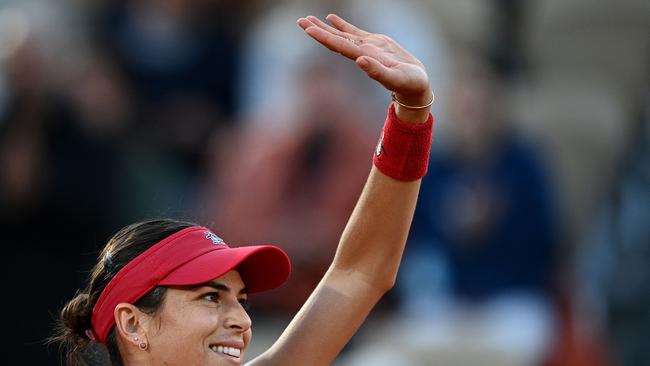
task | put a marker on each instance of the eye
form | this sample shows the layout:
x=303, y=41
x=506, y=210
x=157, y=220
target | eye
x=212, y=297
x=244, y=302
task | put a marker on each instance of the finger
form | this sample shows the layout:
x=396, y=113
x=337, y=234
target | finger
x=333, y=42
x=341, y=24
x=320, y=24
x=304, y=23
x=377, y=71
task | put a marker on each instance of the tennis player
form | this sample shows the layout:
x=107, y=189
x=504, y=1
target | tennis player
x=166, y=292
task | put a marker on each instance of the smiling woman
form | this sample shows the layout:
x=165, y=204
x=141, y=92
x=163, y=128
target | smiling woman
x=208, y=321
x=171, y=293
x=186, y=275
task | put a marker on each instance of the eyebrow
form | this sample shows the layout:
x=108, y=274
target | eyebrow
x=220, y=286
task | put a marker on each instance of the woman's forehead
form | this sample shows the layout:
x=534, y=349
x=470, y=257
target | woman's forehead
x=231, y=281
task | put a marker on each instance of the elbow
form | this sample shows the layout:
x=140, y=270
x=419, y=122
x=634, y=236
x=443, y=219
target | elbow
x=382, y=278
x=386, y=284
x=378, y=279
x=377, y=283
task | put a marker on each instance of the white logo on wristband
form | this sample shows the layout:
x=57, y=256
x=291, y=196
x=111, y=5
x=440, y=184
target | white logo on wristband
x=380, y=145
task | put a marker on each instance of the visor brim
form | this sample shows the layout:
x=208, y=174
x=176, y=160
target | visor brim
x=262, y=267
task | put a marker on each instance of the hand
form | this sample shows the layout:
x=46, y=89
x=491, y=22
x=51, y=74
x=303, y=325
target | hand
x=380, y=57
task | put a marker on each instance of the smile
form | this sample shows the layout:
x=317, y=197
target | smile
x=230, y=351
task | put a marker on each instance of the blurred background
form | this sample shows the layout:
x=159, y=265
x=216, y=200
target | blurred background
x=531, y=240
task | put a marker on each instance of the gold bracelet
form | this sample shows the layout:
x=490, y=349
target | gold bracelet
x=394, y=97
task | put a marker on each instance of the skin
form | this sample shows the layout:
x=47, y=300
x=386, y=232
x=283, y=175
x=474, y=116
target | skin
x=367, y=258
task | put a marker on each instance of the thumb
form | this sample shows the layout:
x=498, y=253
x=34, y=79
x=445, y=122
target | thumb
x=375, y=69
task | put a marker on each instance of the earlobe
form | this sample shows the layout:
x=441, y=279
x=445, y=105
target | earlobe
x=131, y=325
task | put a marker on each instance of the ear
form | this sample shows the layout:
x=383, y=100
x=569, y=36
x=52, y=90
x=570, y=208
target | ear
x=131, y=324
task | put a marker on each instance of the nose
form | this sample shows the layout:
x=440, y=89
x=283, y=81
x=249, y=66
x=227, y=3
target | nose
x=237, y=318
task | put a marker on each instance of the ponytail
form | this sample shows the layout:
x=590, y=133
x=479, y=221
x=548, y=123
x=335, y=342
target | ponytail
x=72, y=327
x=75, y=319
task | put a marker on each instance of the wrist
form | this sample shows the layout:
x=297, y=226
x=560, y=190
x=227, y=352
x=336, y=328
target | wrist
x=413, y=108
x=415, y=99
x=403, y=149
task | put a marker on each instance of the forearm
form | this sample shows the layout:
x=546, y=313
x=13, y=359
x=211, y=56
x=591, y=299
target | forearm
x=374, y=238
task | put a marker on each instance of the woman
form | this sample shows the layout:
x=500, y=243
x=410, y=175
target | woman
x=172, y=293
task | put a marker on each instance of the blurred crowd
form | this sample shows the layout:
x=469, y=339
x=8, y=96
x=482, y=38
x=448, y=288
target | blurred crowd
x=531, y=237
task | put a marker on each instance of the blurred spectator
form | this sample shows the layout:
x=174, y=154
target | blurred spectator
x=614, y=296
x=76, y=159
x=474, y=287
x=60, y=167
x=581, y=104
x=181, y=58
x=58, y=138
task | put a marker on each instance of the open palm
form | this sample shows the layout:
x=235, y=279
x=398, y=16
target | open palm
x=383, y=59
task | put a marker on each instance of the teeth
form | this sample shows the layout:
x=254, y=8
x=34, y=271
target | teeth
x=230, y=351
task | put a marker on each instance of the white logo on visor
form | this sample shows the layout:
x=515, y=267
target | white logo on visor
x=215, y=239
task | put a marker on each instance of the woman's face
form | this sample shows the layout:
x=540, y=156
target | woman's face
x=202, y=325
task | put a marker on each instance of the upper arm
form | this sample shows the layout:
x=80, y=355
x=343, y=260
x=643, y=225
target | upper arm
x=326, y=322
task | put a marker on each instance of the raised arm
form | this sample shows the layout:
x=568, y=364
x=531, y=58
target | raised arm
x=370, y=249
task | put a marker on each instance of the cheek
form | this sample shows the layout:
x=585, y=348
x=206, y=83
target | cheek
x=248, y=335
x=183, y=332
x=195, y=322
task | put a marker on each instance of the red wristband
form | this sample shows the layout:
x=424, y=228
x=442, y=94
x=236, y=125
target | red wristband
x=403, y=149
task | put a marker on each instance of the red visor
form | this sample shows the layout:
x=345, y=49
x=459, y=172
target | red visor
x=189, y=257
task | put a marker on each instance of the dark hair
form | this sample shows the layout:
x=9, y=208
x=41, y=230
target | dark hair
x=75, y=317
